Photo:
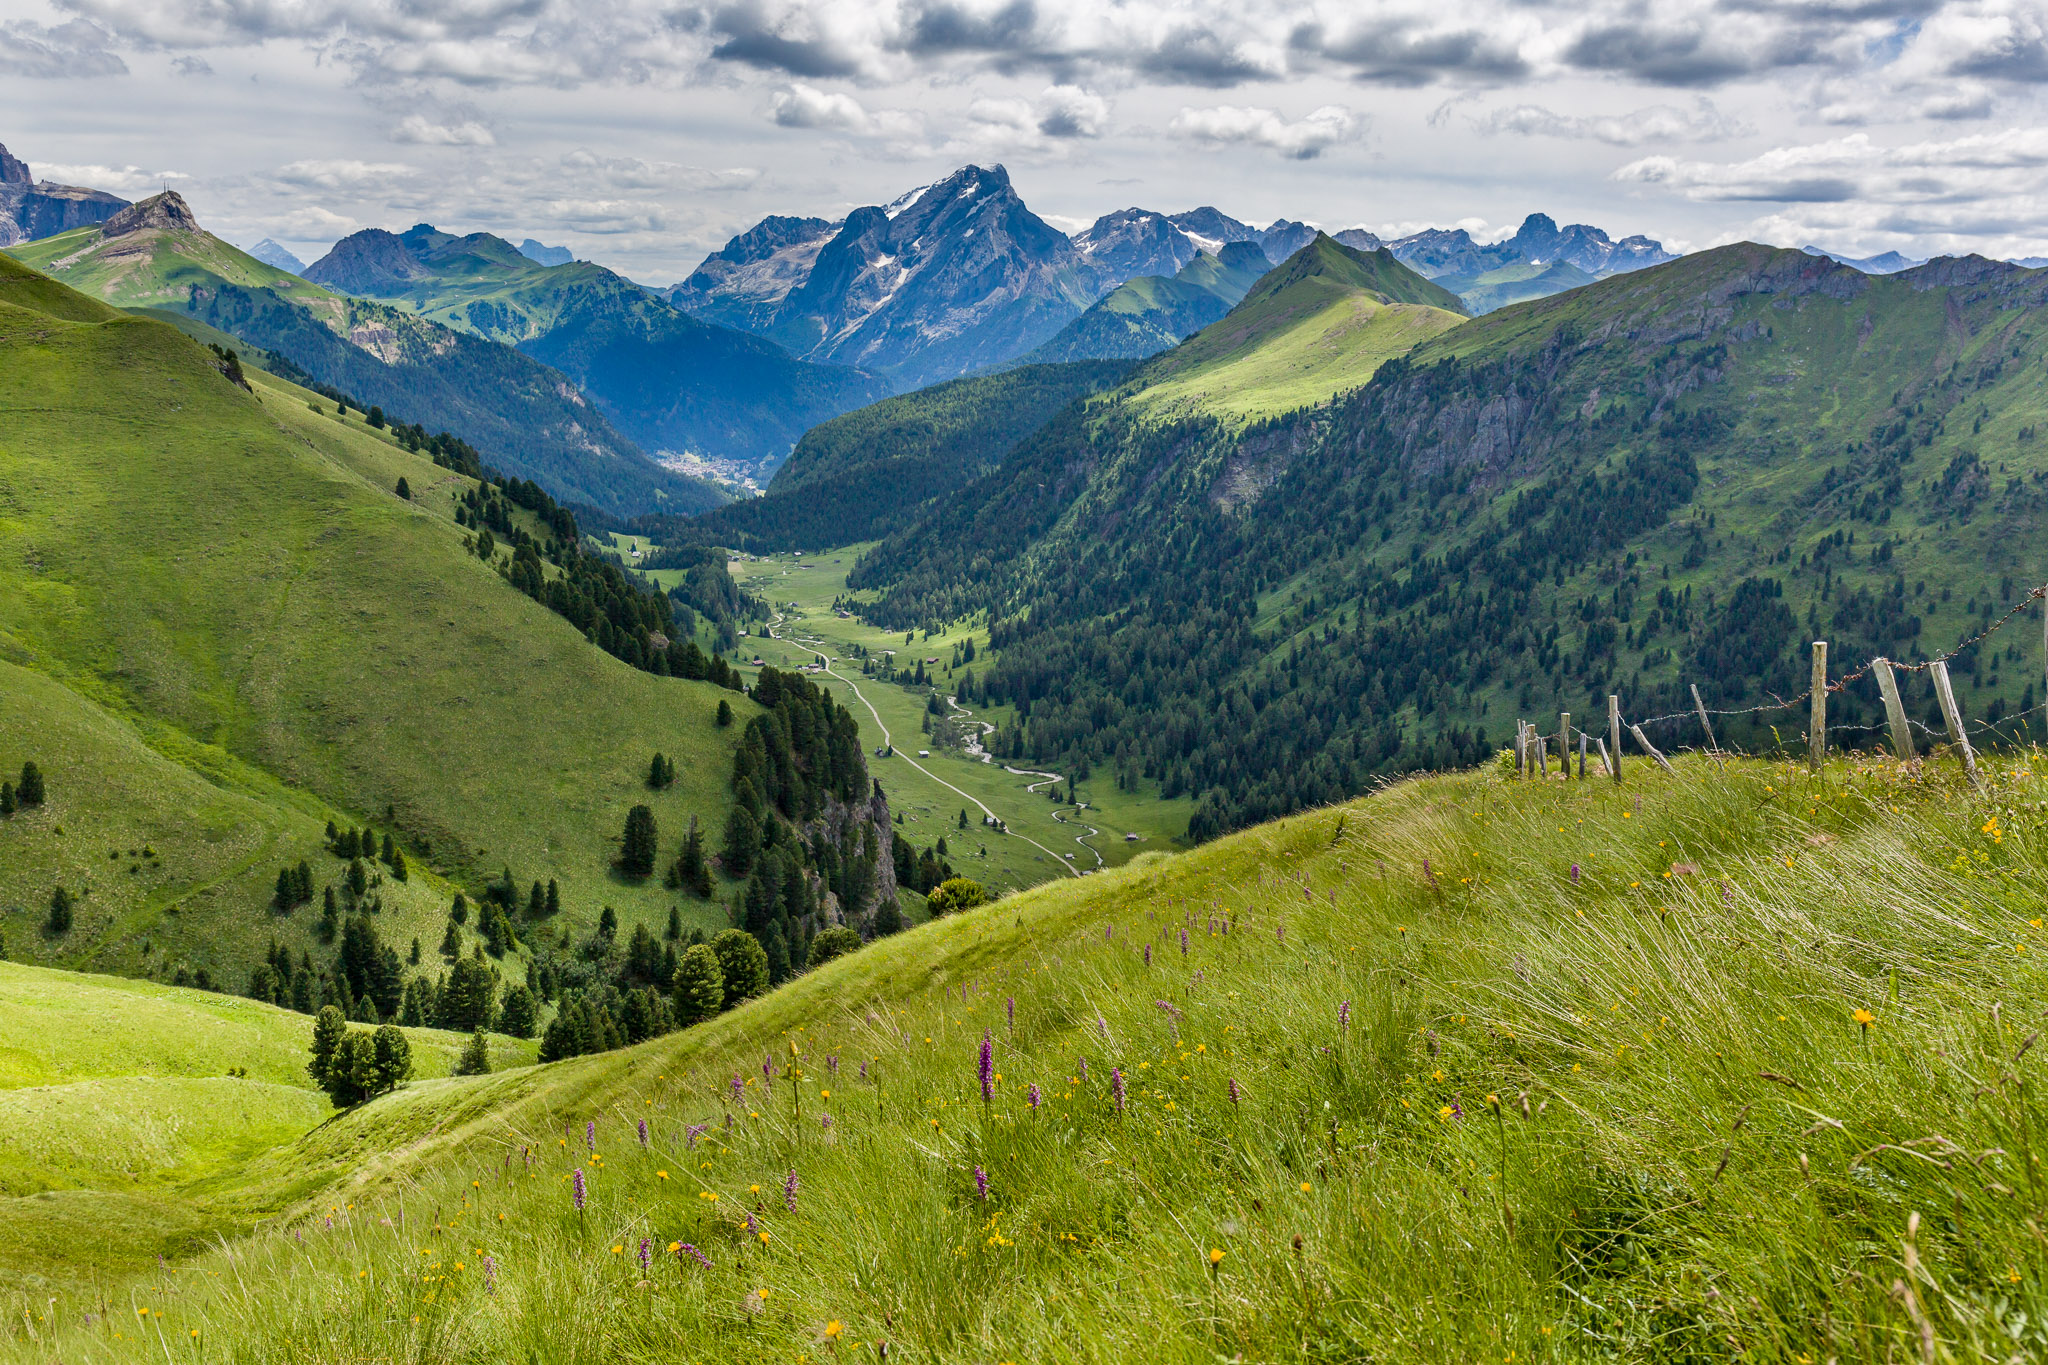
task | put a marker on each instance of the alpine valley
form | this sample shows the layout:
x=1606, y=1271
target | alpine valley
x=947, y=789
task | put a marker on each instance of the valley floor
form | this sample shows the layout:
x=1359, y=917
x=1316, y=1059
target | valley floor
x=1713, y=1064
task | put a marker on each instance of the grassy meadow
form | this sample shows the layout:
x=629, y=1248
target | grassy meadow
x=133, y=1105
x=1709, y=1064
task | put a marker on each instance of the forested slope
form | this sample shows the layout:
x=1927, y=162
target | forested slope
x=1671, y=477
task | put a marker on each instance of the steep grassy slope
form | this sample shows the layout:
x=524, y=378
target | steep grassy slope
x=669, y=381
x=868, y=472
x=294, y=644
x=120, y=1109
x=1316, y=325
x=1677, y=476
x=1467, y=1070
x=1151, y=313
x=529, y=418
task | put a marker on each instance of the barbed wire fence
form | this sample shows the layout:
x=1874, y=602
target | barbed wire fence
x=1532, y=745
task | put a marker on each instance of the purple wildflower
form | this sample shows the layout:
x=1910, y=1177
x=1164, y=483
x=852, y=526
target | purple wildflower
x=643, y=1134
x=1234, y=1091
x=738, y=1086
x=1280, y=932
x=1183, y=943
x=832, y=1065
x=491, y=1273
x=526, y=1155
x=752, y=1226
x=692, y=1132
x=789, y=1189
x=863, y=1070
x=1148, y=955
x=646, y=1255
x=1575, y=874
x=1116, y=1089
x=330, y=1228
x=1084, y=1068
x=825, y=1121
x=1344, y=1016
x=1010, y=1009
x=1105, y=933
x=1031, y=1096
x=767, y=1068
x=986, y=1067
x=1102, y=1026
x=981, y=1183
x=687, y=1250
x=576, y=1180
x=590, y=1135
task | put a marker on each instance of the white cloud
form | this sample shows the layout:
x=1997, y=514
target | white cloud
x=806, y=106
x=440, y=132
x=1702, y=122
x=1301, y=140
x=71, y=50
x=1070, y=111
x=127, y=180
x=343, y=174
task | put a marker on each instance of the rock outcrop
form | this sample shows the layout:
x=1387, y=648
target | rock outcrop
x=30, y=208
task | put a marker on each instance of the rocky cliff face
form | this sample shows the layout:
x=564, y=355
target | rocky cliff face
x=166, y=212
x=860, y=830
x=30, y=209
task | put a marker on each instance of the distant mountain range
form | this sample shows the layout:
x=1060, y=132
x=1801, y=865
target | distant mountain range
x=31, y=208
x=1885, y=263
x=270, y=253
x=527, y=418
x=672, y=382
x=961, y=275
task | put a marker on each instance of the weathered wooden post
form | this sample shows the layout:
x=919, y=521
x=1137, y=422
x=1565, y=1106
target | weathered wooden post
x=1564, y=742
x=1582, y=755
x=1521, y=748
x=1607, y=760
x=1894, y=709
x=1700, y=707
x=1817, y=719
x=1613, y=735
x=1945, y=693
x=1541, y=746
x=1650, y=748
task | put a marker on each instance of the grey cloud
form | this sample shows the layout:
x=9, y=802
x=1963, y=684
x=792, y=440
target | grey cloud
x=947, y=28
x=1399, y=53
x=76, y=49
x=1196, y=56
x=750, y=41
x=1684, y=57
x=2021, y=57
x=191, y=66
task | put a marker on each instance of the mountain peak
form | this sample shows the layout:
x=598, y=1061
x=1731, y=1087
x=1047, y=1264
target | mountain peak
x=14, y=171
x=166, y=212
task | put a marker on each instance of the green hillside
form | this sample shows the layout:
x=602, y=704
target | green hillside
x=667, y=380
x=1316, y=325
x=533, y=422
x=1668, y=478
x=1152, y=313
x=132, y=1104
x=1468, y=1070
x=205, y=691
x=870, y=471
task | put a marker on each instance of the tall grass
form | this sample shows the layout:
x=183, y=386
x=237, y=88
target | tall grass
x=1537, y=1071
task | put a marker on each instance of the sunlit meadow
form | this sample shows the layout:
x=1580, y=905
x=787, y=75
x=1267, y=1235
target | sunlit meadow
x=1732, y=1062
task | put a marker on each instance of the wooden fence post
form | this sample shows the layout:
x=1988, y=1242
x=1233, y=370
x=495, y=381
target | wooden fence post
x=1542, y=756
x=1701, y=707
x=1613, y=735
x=1894, y=709
x=1582, y=755
x=1650, y=748
x=1953, y=714
x=1564, y=742
x=1817, y=722
x=1607, y=760
x=1521, y=748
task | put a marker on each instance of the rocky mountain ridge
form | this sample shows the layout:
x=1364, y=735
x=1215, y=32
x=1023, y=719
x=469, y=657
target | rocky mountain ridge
x=31, y=208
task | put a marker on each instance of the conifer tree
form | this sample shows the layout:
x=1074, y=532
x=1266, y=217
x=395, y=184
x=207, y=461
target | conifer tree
x=6, y=798
x=675, y=924
x=638, y=844
x=404, y=488
x=554, y=898
x=608, y=924
x=352, y=1070
x=699, y=985
x=358, y=881
x=517, y=1013
x=693, y=871
x=29, y=791
x=742, y=842
x=537, y=902
x=328, y=1030
x=724, y=713
x=742, y=963
x=392, y=1058
x=399, y=870
x=59, y=922
x=388, y=851
x=451, y=942
x=476, y=1057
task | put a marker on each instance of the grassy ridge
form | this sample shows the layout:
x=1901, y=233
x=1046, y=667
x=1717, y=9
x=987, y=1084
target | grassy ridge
x=297, y=637
x=1562, y=1071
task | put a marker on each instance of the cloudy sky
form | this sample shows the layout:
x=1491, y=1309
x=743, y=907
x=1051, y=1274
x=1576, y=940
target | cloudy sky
x=642, y=133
